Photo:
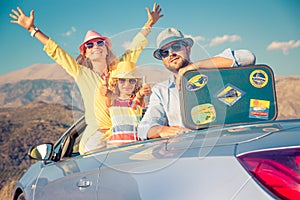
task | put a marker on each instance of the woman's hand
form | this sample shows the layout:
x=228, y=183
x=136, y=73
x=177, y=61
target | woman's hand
x=20, y=18
x=103, y=90
x=153, y=16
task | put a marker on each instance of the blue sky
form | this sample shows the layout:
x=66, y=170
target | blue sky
x=269, y=28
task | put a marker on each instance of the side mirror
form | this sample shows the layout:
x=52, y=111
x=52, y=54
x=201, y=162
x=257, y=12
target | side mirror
x=41, y=151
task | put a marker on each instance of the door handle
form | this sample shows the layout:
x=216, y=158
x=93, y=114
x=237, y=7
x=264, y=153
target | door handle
x=84, y=183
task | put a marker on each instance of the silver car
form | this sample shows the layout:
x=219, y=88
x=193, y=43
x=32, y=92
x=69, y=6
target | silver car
x=239, y=160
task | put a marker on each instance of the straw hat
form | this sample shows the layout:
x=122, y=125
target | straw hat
x=170, y=35
x=93, y=35
x=126, y=69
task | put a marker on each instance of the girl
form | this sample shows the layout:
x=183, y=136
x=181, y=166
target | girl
x=127, y=102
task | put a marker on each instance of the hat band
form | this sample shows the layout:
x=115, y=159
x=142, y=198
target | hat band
x=170, y=39
x=126, y=74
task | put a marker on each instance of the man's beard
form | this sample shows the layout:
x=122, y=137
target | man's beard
x=184, y=64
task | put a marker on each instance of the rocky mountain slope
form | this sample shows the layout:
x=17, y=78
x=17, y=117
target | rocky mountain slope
x=21, y=127
x=24, y=126
x=51, y=91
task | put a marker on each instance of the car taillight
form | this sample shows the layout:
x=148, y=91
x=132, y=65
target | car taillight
x=278, y=170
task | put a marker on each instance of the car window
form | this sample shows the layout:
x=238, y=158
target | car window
x=68, y=144
x=75, y=148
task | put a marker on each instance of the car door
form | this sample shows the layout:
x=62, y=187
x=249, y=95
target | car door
x=71, y=178
x=118, y=174
x=65, y=174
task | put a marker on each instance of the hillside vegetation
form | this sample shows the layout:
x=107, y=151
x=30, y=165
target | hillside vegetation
x=22, y=127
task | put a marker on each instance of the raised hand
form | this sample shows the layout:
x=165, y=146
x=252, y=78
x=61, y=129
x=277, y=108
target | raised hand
x=154, y=16
x=20, y=18
x=145, y=90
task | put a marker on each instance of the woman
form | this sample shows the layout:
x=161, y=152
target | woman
x=96, y=56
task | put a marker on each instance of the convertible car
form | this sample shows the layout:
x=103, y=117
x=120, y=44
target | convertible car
x=237, y=150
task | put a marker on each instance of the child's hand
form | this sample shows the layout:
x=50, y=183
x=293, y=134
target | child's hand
x=145, y=90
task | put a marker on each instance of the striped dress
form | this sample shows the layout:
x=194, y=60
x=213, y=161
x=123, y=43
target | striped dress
x=125, y=116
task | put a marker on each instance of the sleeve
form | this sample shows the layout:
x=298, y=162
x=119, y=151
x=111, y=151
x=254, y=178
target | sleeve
x=241, y=57
x=154, y=116
x=136, y=47
x=136, y=103
x=62, y=58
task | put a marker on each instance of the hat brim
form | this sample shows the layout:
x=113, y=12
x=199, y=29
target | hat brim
x=188, y=41
x=107, y=41
x=127, y=75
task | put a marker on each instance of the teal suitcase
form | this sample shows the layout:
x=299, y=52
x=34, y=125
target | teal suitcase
x=211, y=97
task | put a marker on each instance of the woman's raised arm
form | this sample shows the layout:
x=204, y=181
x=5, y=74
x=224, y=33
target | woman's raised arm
x=27, y=22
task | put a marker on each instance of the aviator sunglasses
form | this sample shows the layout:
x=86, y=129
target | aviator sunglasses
x=99, y=43
x=130, y=80
x=163, y=53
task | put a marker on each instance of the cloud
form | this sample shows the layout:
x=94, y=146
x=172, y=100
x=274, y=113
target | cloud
x=284, y=46
x=70, y=32
x=196, y=38
x=225, y=38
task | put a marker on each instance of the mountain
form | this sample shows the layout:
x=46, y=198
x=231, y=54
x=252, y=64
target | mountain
x=50, y=83
x=56, y=72
x=51, y=91
x=288, y=98
x=36, y=71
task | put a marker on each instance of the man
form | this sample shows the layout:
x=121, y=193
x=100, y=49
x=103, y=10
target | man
x=163, y=118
